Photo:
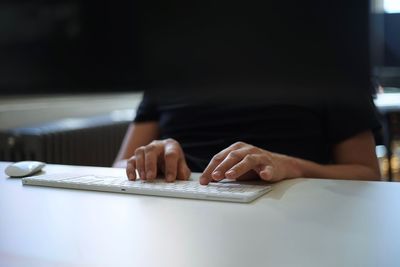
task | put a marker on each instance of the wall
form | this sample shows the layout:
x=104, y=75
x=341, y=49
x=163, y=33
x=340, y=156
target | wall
x=20, y=111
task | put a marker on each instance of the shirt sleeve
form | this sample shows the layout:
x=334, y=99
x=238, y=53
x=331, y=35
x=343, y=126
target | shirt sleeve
x=349, y=115
x=147, y=109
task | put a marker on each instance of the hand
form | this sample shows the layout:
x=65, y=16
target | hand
x=244, y=161
x=165, y=156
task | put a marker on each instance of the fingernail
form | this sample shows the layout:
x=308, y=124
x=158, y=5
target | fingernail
x=143, y=175
x=203, y=180
x=169, y=178
x=149, y=175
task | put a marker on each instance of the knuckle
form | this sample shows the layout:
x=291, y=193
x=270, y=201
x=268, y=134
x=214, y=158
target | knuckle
x=150, y=148
x=250, y=158
x=139, y=150
x=234, y=155
x=154, y=142
x=254, y=149
x=170, y=141
x=239, y=144
x=218, y=158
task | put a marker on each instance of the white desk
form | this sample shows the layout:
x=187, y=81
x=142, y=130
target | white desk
x=302, y=222
x=388, y=102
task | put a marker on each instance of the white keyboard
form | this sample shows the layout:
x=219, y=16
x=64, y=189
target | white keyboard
x=223, y=191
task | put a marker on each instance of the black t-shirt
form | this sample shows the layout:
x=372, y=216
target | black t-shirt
x=306, y=127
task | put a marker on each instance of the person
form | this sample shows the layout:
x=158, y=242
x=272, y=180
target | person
x=251, y=139
x=252, y=90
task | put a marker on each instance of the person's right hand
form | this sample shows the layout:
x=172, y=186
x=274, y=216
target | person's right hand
x=165, y=156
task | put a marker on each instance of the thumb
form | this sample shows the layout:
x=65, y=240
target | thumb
x=267, y=173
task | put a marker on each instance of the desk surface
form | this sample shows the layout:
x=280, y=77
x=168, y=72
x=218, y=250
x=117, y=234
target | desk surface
x=302, y=222
x=388, y=102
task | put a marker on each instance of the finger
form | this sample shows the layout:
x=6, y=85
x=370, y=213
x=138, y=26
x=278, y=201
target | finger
x=249, y=162
x=171, y=157
x=233, y=158
x=131, y=169
x=183, y=170
x=206, y=177
x=139, y=157
x=151, y=153
x=267, y=173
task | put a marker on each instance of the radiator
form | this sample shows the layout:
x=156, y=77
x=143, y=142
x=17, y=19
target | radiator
x=90, y=141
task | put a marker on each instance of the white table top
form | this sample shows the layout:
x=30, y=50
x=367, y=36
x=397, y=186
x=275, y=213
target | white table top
x=388, y=102
x=302, y=222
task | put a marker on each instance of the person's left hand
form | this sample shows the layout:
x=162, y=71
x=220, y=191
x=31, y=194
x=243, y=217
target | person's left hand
x=244, y=161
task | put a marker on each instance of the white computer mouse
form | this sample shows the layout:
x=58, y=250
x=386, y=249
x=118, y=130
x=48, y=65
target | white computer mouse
x=24, y=168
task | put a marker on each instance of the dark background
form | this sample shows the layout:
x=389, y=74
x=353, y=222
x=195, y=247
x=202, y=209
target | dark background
x=74, y=46
x=392, y=39
x=66, y=46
